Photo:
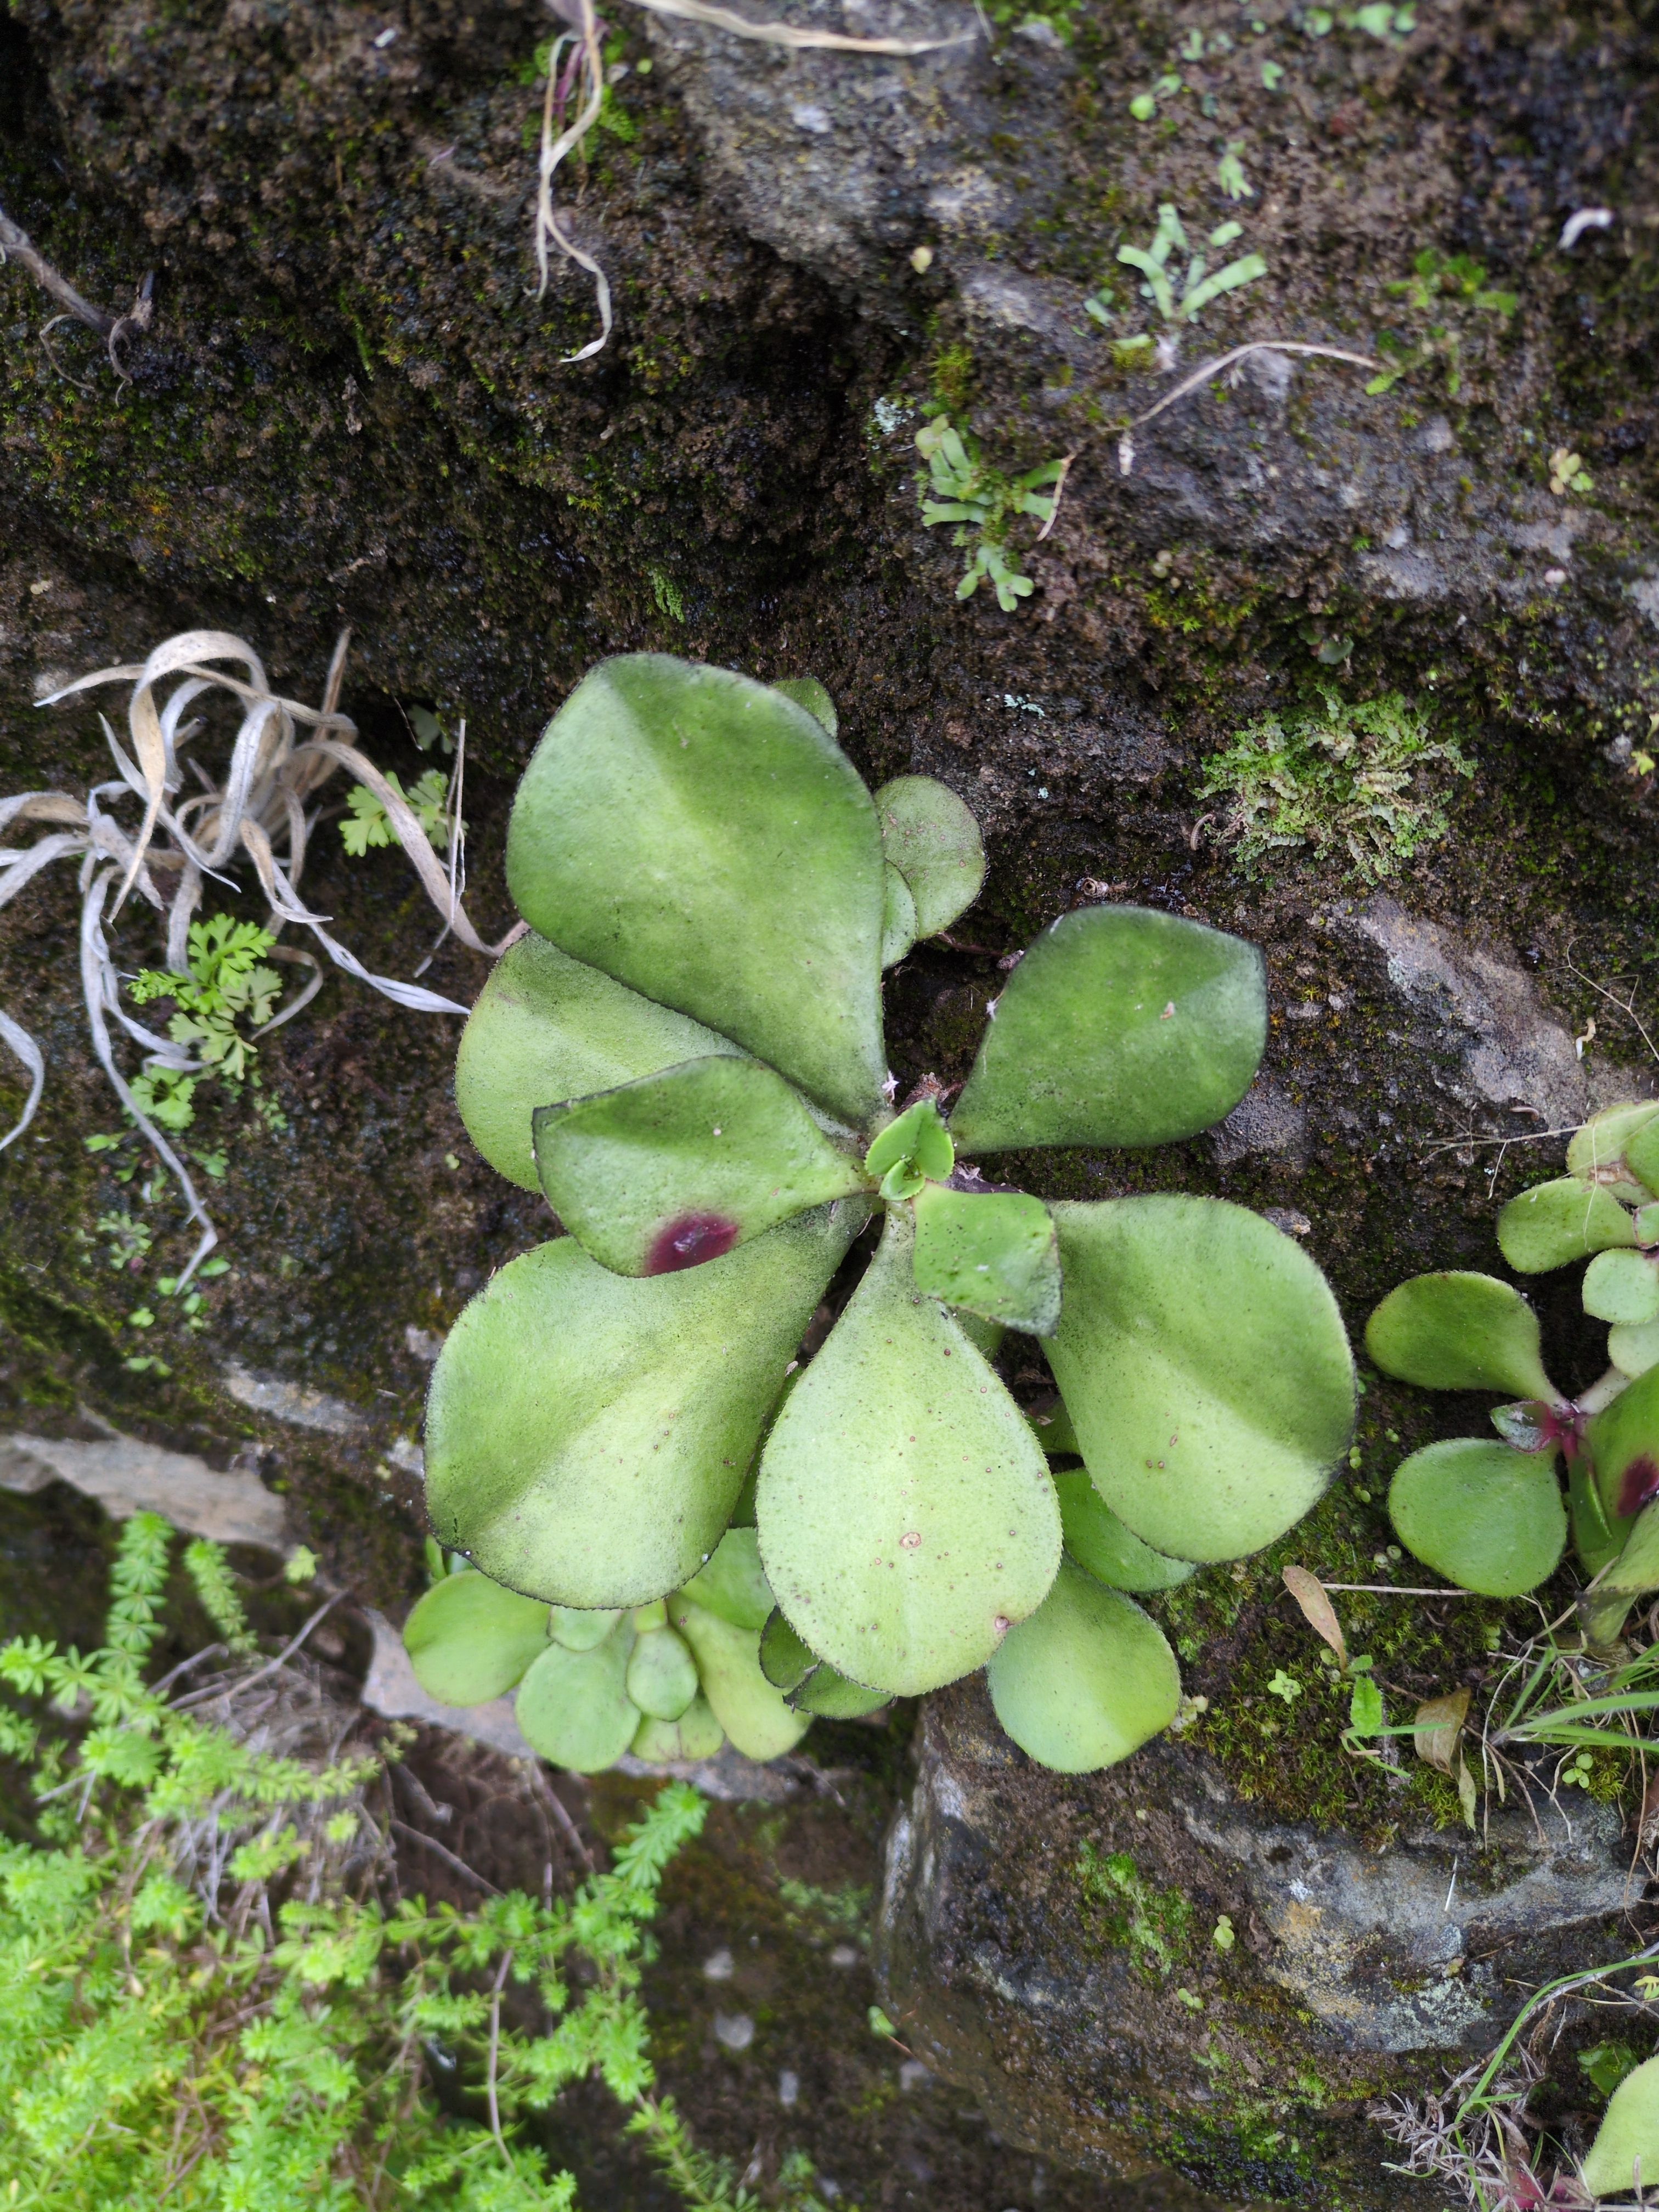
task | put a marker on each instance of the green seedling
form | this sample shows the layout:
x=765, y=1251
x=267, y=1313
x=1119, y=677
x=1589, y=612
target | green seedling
x=226, y=990
x=1229, y=173
x=685, y=1054
x=1568, y=473
x=961, y=487
x=1359, y=778
x=1490, y=1514
x=1181, y=298
x=1446, y=288
x=368, y=826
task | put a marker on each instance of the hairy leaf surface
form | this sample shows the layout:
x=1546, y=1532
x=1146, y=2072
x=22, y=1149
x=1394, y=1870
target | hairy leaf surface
x=993, y=1252
x=547, y=1027
x=1459, y=1331
x=702, y=837
x=931, y=837
x=1086, y=1679
x=905, y=1511
x=1599, y=1152
x=752, y=1713
x=1121, y=1026
x=1100, y=1543
x=1486, y=1516
x=1204, y=1364
x=470, y=1640
x=587, y=1433
x=1555, y=1222
x=671, y=1171
x=574, y=1706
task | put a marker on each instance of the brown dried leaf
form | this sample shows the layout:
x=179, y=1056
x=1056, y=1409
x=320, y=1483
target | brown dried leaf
x=1438, y=1725
x=1317, y=1610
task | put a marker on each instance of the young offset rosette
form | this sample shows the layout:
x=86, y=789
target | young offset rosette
x=1490, y=1514
x=686, y=1056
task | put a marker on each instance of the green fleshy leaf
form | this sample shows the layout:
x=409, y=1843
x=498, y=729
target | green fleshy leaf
x=1642, y=1155
x=1052, y=1426
x=808, y=1685
x=662, y=1675
x=906, y=1513
x=469, y=1640
x=930, y=836
x=915, y=1138
x=1203, y=1360
x=547, y=1027
x=1100, y=1543
x=1594, y=1538
x=898, y=917
x=587, y=1433
x=579, y=1631
x=1460, y=1331
x=1634, y=1571
x=986, y=1336
x=1627, y=2145
x=1086, y=1679
x=1623, y=1442
x=670, y=1172
x=701, y=838
x=829, y=1696
x=696, y=1734
x=992, y=1252
x=1121, y=1026
x=574, y=1706
x=1622, y=1286
x=733, y=1584
x=1633, y=1351
x=1598, y=1152
x=1555, y=1222
x=1488, y=1518
x=752, y=1713
x=786, y=1659
x=806, y=692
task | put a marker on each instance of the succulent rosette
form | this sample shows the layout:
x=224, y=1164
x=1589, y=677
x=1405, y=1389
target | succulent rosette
x=1488, y=1512
x=685, y=1054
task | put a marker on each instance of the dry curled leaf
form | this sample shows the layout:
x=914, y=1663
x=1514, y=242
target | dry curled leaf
x=1438, y=1725
x=1317, y=1610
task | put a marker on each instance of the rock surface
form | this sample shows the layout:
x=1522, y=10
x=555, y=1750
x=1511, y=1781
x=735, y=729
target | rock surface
x=352, y=408
x=1098, y=2017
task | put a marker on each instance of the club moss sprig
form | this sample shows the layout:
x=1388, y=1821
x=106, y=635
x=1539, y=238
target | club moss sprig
x=211, y=1994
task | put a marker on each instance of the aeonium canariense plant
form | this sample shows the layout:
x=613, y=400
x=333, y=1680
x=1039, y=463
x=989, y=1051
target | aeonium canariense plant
x=686, y=1056
x=1489, y=1513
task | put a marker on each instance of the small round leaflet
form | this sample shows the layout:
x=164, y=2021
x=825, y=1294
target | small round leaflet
x=1486, y=1516
x=470, y=1640
x=1086, y=1679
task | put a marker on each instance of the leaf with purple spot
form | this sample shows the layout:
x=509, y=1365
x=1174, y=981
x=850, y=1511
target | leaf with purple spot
x=676, y=1169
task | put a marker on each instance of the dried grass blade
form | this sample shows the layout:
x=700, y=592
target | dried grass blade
x=1316, y=1609
x=42, y=806
x=285, y=902
x=297, y=1005
x=150, y=741
x=20, y=868
x=786, y=34
x=406, y=826
x=18, y=1042
x=98, y=984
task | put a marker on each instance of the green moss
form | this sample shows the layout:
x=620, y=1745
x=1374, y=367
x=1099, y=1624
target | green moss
x=1355, y=778
x=1154, y=1925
